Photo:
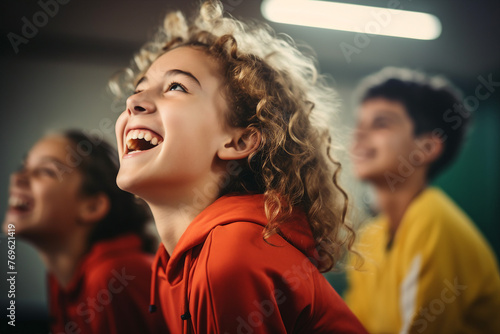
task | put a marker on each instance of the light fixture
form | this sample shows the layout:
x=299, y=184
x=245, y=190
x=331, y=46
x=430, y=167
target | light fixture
x=388, y=21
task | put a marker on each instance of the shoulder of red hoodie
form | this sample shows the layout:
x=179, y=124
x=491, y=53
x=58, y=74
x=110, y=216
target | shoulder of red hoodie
x=108, y=293
x=240, y=283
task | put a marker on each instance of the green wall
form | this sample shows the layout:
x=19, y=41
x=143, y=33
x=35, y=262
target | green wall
x=473, y=181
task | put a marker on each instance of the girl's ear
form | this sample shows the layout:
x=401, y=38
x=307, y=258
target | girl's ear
x=241, y=143
x=431, y=145
x=94, y=208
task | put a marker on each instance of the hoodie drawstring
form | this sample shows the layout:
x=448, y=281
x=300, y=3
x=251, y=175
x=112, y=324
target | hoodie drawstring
x=186, y=316
x=152, y=291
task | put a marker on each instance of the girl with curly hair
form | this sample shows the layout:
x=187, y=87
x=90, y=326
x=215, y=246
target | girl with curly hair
x=224, y=136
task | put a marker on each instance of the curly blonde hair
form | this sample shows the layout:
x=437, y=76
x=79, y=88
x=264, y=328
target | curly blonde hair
x=273, y=87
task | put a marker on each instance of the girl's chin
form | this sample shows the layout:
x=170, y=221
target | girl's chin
x=138, y=186
x=125, y=183
x=22, y=228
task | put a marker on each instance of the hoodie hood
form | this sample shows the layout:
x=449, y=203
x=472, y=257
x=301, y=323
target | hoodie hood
x=104, y=249
x=226, y=210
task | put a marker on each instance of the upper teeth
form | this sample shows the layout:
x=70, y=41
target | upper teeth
x=146, y=135
x=15, y=201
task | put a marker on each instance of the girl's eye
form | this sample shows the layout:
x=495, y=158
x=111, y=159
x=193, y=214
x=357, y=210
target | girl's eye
x=45, y=171
x=176, y=86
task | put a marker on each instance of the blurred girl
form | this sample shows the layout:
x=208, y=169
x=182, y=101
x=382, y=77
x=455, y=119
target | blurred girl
x=89, y=234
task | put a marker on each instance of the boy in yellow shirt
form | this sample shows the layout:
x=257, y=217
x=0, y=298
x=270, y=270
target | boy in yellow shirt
x=426, y=269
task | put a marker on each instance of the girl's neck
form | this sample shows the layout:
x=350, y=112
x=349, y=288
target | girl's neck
x=62, y=261
x=174, y=212
x=172, y=219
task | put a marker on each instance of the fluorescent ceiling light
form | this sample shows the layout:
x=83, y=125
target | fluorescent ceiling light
x=355, y=18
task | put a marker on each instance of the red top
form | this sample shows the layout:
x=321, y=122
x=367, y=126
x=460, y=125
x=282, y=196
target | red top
x=224, y=278
x=108, y=293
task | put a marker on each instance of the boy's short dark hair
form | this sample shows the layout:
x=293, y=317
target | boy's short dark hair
x=431, y=102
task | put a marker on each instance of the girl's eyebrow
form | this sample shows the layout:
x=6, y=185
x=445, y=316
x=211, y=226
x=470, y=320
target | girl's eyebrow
x=172, y=73
x=48, y=158
x=51, y=160
x=181, y=72
x=143, y=79
x=58, y=164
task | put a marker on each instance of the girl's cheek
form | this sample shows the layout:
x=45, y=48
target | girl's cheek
x=120, y=123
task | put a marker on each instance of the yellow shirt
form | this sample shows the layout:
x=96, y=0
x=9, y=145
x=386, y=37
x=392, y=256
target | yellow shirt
x=439, y=275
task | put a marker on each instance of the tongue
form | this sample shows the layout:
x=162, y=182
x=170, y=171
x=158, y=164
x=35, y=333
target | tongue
x=140, y=145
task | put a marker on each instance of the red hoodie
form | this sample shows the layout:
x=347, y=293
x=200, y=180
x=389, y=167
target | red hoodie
x=224, y=278
x=108, y=293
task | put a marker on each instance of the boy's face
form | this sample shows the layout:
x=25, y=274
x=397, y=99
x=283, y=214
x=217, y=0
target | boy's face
x=384, y=136
x=179, y=108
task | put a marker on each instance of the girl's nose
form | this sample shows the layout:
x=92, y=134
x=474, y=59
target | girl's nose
x=19, y=179
x=140, y=103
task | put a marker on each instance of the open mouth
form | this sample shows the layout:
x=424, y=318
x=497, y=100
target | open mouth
x=139, y=140
x=20, y=204
x=363, y=154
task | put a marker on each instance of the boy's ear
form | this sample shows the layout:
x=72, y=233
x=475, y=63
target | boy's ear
x=241, y=143
x=431, y=145
x=94, y=208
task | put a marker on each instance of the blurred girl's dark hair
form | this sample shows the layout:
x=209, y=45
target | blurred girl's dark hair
x=98, y=163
